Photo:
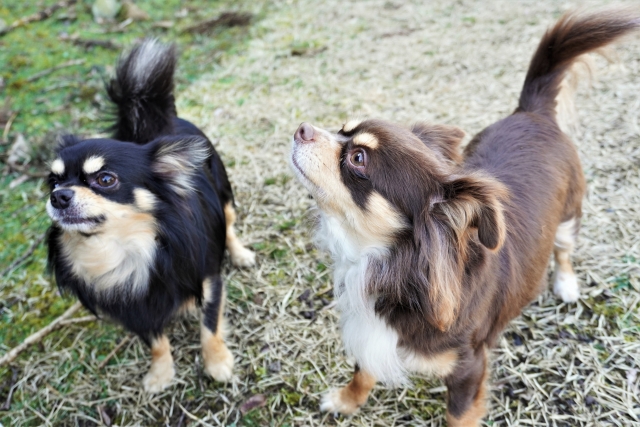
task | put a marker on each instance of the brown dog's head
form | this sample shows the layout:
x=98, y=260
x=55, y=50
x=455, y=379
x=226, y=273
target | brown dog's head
x=403, y=191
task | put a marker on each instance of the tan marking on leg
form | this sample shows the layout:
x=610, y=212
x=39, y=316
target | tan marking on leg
x=476, y=412
x=218, y=360
x=347, y=400
x=565, y=282
x=188, y=308
x=240, y=256
x=161, y=372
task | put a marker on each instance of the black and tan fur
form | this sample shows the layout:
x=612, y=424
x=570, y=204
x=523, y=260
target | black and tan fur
x=141, y=220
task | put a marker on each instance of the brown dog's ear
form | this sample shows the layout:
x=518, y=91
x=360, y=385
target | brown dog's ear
x=469, y=202
x=177, y=159
x=474, y=201
x=444, y=139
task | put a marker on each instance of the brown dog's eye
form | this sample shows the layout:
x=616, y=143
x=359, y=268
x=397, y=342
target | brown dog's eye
x=106, y=180
x=358, y=158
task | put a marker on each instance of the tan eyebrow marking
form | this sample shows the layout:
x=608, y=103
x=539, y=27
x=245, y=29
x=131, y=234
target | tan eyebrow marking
x=93, y=164
x=57, y=166
x=351, y=125
x=367, y=139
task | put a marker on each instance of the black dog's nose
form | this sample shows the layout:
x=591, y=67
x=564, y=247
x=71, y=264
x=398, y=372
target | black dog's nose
x=60, y=199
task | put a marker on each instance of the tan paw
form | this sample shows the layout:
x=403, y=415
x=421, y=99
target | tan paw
x=219, y=365
x=159, y=377
x=334, y=402
x=243, y=257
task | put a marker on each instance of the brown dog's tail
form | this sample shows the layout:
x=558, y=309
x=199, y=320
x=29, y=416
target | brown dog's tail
x=572, y=36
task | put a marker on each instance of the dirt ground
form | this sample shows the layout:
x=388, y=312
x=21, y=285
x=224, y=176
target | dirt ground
x=460, y=63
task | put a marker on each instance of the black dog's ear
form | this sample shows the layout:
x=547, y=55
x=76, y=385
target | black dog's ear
x=65, y=141
x=177, y=159
x=444, y=139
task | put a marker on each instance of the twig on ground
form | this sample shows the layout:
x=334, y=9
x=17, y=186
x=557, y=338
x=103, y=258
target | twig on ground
x=75, y=320
x=12, y=387
x=38, y=336
x=226, y=19
x=24, y=256
x=7, y=127
x=48, y=71
x=38, y=16
x=124, y=341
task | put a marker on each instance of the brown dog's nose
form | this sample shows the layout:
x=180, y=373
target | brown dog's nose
x=304, y=133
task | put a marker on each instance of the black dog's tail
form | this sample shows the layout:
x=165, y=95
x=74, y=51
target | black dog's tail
x=142, y=92
x=572, y=36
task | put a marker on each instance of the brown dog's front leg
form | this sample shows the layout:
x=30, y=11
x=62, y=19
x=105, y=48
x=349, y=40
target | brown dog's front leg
x=347, y=400
x=466, y=390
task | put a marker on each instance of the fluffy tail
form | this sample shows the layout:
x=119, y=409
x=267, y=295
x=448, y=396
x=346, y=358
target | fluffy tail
x=142, y=92
x=572, y=36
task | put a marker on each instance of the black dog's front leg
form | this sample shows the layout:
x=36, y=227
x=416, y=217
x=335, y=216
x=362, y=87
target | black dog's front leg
x=162, y=371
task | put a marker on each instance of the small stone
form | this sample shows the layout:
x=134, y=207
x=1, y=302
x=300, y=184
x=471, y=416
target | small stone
x=590, y=400
x=133, y=11
x=3, y=26
x=309, y=314
x=105, y=10
x=305, y=295
x=275, y=367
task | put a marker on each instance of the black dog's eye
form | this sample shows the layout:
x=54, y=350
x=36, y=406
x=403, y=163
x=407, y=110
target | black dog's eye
x=106, y=180
x=358, y=159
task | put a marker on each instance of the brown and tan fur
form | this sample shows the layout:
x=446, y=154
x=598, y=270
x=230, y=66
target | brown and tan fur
x=438, y=250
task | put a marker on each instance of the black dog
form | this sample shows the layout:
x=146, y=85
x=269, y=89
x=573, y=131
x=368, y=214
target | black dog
x=140, y=221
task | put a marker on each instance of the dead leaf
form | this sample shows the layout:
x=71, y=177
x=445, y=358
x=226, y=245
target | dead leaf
x=256, y=401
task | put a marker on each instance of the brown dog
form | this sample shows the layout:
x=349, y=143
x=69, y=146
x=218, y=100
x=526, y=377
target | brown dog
x=436, y=252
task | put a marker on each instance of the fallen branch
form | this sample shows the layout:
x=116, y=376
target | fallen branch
x=226, y=19
x=38, y=16
x=75, y=320
x=24, y=256
x=38, y=336
x=12, y=388
x=48, y=71
x=124, y=341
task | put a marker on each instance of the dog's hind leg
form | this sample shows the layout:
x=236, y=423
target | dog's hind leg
x=240, y=256
x=565, y=282
x=348, y=399
x=161, y=372
x=218, y=360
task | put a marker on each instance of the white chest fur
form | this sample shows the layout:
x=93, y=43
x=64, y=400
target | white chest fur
x=366, y=336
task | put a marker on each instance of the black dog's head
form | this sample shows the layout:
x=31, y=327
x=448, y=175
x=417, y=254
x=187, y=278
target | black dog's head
x=99, y=184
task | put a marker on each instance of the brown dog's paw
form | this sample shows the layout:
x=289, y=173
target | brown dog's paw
x=337, y=401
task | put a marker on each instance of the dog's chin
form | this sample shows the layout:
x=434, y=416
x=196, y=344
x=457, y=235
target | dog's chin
x=82, y=225
x=74, y=222
x=300, y=174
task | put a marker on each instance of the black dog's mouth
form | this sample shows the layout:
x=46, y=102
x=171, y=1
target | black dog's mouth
x=75, y=220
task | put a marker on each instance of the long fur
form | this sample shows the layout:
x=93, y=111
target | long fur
x=472, y=234
x=171, y=183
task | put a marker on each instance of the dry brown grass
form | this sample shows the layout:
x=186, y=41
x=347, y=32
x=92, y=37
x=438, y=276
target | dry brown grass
x=459, y=63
